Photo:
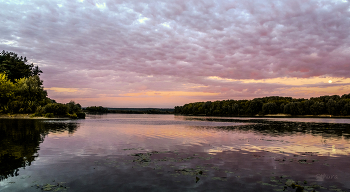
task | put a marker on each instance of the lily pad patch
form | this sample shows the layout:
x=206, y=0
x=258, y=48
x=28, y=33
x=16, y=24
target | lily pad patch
x=52, y=187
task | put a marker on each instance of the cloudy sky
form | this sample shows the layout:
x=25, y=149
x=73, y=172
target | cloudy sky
x=150, y=53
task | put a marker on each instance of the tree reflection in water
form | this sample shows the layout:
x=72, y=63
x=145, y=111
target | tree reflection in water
x=20, y=140
x=282, y=128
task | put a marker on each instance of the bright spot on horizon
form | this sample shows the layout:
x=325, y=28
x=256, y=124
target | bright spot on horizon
x=330, y=81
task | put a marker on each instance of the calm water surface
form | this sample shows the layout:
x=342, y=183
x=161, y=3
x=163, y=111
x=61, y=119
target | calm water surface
x=127, y=152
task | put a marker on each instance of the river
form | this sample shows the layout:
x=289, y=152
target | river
x=140, y=152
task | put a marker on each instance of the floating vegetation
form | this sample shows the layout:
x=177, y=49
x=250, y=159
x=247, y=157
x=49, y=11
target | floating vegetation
x=283, y=184
x=52, y=187
x=190, y=171
x=130, y=149
x=220, y=178
x=142, y=157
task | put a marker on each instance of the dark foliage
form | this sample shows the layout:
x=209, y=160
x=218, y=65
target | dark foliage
x=16, y=67
x=56, y=108
x=95, y=109
x=323, y=105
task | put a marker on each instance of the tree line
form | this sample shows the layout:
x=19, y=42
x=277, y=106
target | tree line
x=22, y=91
x=100, y=109
x=323, y=105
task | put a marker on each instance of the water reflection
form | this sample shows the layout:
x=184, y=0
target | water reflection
x=281, y=136
x=174, y=153
x=280, y=128
x=20, y=140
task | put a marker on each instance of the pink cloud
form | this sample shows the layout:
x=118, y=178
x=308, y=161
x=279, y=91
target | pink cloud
x=80, y=45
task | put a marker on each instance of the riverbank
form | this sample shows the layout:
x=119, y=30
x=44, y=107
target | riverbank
x=25, y=116
x=301, y=116
x=280, y=115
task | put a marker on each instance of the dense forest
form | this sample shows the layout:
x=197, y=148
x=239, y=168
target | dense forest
x=22, y=91
x=323, y=105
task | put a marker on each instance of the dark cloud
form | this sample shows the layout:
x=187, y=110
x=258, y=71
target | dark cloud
x=115, y=44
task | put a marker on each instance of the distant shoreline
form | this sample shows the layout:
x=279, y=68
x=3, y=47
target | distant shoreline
x=28, y=116
x=100, y=109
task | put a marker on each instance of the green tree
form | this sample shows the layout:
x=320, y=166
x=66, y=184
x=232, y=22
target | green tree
x=339, y=106
x=58, y=109
x=331, y=107
x=74, y=110
x=301, y=108
x=7, y=91
x=346, y=109
x=317, y=108
x=16, y=67
x=254, y=107
x=291, y=108
x=99, y=109
x=269, y=108
x=73, y=107
x=29, y=94
x=235, y=109
x=23, y=96
x=346, y=96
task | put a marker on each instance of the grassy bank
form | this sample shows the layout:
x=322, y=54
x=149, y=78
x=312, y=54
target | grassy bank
x=27, y=116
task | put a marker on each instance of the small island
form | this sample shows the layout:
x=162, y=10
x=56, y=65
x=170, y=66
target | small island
x=22, y=92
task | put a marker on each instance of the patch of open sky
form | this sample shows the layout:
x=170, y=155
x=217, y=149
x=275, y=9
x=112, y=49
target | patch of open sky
x=13, y=2
x=166, y=24
x=340, y=1
x=142, y=19
x=7, y=42
x=244, y=15
x=326, y=4
x=101, y=5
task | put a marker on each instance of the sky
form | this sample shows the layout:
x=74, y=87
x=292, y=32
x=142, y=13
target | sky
x=150, y=53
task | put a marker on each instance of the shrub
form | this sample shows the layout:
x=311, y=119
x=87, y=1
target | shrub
x=73, y=116
x=49, y=115
x=95, y=109
x=56, y=108
x=81, y=115
x=73, y=107
x=39, y=111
